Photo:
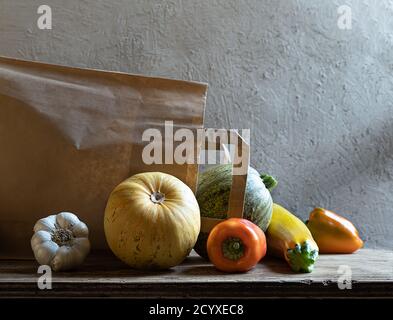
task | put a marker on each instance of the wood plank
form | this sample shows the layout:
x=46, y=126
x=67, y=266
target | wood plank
x=104, y=275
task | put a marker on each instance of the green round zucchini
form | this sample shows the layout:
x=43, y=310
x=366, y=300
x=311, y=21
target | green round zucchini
x=213, y=190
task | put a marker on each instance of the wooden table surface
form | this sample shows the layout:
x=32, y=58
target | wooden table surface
x=105, y=276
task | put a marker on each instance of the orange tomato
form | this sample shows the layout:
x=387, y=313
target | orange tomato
x=236, y=245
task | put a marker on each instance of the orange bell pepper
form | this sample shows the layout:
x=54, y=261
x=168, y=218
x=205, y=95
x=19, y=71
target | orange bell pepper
x=236, y=245
x=333, y=233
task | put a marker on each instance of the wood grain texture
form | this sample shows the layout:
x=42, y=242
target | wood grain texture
x=105, y=276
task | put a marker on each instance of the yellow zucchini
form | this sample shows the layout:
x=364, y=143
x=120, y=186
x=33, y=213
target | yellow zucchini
x=289, y=238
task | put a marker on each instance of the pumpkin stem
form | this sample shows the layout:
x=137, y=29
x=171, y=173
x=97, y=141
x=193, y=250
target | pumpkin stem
x=157, y=197
x=233, y=248
x=269, y=181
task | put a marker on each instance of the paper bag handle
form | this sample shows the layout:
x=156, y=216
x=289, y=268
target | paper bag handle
x=239, y=180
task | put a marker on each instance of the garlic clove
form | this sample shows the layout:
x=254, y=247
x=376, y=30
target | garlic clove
x=67, y=258
x=40, y=237
x=81, y=248
x=82, y=245
x=47, y=224
x=80, y=230
x=66, y=220
x=45, y=252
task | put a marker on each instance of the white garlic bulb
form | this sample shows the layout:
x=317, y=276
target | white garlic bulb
x=60, y=241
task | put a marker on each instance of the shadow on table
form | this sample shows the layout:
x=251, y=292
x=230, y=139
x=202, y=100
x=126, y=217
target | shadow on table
x=196, y=266
x=276, y=265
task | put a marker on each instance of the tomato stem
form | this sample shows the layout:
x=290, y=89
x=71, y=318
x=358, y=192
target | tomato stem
x=233, y=248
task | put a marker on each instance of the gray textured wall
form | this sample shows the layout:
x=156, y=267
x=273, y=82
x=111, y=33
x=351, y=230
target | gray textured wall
x=317, y=99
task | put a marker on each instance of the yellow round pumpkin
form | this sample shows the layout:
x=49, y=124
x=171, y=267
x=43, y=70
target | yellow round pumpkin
x=152, y=221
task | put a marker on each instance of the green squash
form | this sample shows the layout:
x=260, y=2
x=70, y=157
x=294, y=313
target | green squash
x=213, y=190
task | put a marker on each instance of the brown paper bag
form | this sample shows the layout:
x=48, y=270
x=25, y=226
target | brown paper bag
x=240, y=165
x=68, y=136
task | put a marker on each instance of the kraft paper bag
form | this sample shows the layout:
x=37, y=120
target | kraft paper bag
x=68, y=136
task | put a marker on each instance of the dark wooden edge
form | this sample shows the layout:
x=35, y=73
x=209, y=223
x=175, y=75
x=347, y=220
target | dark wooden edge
x=198, y=290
